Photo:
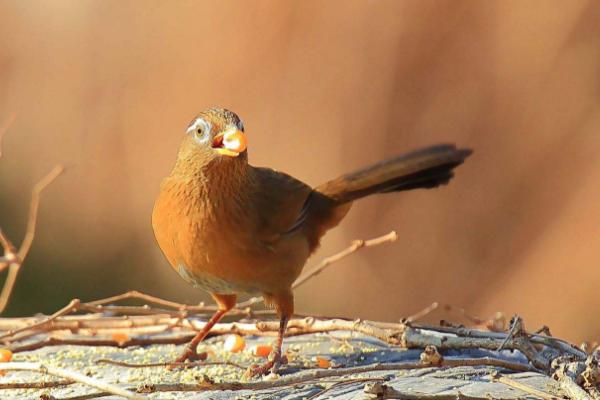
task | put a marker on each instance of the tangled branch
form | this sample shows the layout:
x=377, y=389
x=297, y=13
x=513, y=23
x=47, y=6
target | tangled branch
x=539, y=349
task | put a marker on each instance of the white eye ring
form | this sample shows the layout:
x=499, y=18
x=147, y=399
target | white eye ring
x=201, y=130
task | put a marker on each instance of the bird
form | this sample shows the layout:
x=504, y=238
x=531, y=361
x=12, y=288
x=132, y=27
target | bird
x=230, y=228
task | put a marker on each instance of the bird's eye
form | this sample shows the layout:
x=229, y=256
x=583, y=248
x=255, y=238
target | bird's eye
x=201, y=133
x=200, y=129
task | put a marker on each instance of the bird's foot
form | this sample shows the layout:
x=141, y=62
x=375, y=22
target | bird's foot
x=189, y=354
x=272, y=366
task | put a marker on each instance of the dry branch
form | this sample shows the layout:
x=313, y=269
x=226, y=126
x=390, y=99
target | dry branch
x=72, y=306
x=521, y=386
x=424, y=312
x=420, y=338
x=572, y=389
x=354, y=247
x=496, y=323
x=71, y=375
x=134, y=294
x=36, y=385
x=37, y=190
x=326, y=262
x=14, y=258
x=168, y=364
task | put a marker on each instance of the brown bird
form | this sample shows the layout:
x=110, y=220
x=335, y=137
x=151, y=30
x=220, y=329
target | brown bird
x=229, y=228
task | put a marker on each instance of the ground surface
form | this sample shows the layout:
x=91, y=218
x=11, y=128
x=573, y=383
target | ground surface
x=344, y=349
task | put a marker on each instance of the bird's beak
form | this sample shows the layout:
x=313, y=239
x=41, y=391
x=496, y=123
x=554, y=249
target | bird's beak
x=231, y=142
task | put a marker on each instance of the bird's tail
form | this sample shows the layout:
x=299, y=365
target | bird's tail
x=426, y=168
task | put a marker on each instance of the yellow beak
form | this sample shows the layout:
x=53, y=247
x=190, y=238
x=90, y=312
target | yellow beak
x=231, y=142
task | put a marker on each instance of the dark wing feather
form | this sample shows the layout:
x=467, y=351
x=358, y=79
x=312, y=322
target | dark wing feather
x=281, y=201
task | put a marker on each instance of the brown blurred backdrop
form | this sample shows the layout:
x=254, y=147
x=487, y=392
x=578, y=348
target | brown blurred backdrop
x=108, y=87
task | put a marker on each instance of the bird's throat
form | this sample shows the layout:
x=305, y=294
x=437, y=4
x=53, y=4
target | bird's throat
x=220, y=182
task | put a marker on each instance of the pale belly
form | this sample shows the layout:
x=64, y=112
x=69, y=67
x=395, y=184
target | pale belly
x=212, y=283
x=228, y=269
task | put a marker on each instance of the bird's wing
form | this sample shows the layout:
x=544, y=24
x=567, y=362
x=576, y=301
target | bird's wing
x=280, y=201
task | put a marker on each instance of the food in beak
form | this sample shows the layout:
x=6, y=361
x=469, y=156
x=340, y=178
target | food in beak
x=231, y=142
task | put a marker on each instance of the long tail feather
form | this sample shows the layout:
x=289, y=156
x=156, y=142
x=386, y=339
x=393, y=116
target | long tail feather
x=422, y=169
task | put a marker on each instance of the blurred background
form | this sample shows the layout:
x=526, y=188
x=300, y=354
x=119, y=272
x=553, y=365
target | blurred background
x=324, y=87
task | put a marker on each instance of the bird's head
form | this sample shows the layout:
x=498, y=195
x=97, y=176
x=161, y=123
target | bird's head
x=215, y=134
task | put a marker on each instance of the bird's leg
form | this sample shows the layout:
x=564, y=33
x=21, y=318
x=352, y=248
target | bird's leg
x=190, y=352
x=225, y=303
x=284, y=305
x=275, y=356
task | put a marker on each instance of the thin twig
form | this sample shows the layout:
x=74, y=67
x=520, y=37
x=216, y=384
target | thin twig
x=7, y=245
x=326, y=262
x=4, y=128
x=35, y=385
x=496, y=376
x=544, y=330
x=424, y=312
x=168, y=364
x=495, y=323
x=71, y=375
x=72, y=306
x=489, y=361
x=14, y=267
x=37, y=190
x=354, y=247
x=10, y=252
x=516, y=329
x=134, y=294
x=52, y=341
x=461, y=311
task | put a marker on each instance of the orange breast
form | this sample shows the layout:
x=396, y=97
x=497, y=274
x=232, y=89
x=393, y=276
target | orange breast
x=213, y=245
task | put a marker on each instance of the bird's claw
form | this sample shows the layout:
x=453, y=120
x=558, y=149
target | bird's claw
x=256, y=371
x=271, y=366
x=189, y=354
